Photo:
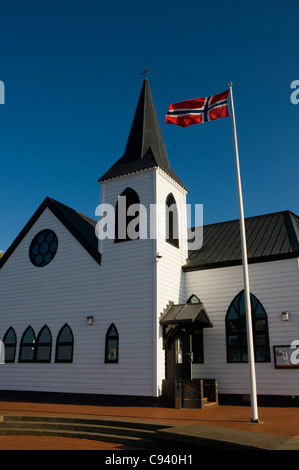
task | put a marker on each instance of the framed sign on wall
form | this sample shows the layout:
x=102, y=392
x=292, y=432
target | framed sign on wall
x=286, y=357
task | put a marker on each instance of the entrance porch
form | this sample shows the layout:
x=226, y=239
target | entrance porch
x=183, y=344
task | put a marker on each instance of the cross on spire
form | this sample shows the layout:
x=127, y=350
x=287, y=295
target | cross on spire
x=145, y=72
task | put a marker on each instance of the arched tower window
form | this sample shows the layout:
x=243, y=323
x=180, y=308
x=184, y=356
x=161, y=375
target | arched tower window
x=64, y=345
x=127, y=213
x=236, y=336
x=172, y=221
x=111, y=344
x=27, y=346
x=10, y=343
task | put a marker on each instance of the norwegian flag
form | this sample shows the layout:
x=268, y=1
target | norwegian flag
x=198, y=110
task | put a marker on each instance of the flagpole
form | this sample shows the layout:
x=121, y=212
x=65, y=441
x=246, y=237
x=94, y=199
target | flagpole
x=254, y=410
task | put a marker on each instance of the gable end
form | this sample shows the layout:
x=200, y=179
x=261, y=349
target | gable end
x=80, y=226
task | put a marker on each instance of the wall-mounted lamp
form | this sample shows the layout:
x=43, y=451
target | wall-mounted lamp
x=158, y=256
x=285, y=316
x=89, y=320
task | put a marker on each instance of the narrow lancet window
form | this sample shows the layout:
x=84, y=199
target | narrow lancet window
x=172, y=221
x=10, y=344
x=27, y=347
x=127, y=216
x=111, y=344
x=64, y=345
x=43, y=345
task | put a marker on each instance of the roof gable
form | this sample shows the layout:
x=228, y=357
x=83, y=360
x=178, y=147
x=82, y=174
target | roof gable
x=81, y=227
x=269, y=237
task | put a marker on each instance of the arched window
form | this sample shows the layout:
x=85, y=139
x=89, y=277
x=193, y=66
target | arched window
x=111, y=344
x=193, y=299
x=43, y=345
x=64, y=345
x=10, y=343
x=127, y=214
x=236, y=336
x=27, y=346
x=172, y=221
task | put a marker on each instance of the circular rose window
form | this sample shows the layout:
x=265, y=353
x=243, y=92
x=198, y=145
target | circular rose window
x=43, y=248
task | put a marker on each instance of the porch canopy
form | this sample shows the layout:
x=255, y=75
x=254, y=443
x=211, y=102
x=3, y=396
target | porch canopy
x=188, y=315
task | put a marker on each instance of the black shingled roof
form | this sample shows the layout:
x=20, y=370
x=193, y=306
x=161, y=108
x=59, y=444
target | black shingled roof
x=269, y=237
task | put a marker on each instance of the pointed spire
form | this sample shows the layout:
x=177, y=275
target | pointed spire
x=145, y=146
x=145, y=131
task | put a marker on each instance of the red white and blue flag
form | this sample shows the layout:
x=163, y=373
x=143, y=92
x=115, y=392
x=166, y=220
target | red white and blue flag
x=198, y=110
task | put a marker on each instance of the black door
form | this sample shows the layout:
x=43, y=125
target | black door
x=178, y=357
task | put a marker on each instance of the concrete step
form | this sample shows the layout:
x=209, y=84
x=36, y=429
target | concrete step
x=78, y=420
x=103, y=437
x=40, y=427
x=95, y=429
x=207, y=404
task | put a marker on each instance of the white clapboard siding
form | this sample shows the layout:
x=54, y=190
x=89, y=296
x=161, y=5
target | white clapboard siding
x=128, y=269
x=72, y=287
x=276, y=285
x=170, y=277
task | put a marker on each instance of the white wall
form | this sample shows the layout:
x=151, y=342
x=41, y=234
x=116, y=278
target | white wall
x=161, y=279
x=131, y=289
x=123, y=290
x=72, y=287
x=276, y=285
x=128, y=284
x=170, y=278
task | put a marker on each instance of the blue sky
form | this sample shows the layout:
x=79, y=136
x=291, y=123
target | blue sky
x=71, y=70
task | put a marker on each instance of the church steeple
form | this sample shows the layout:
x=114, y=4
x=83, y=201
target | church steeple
x=145, y=146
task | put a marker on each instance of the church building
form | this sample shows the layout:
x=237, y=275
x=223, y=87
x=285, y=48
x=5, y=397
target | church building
x=145, y=320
